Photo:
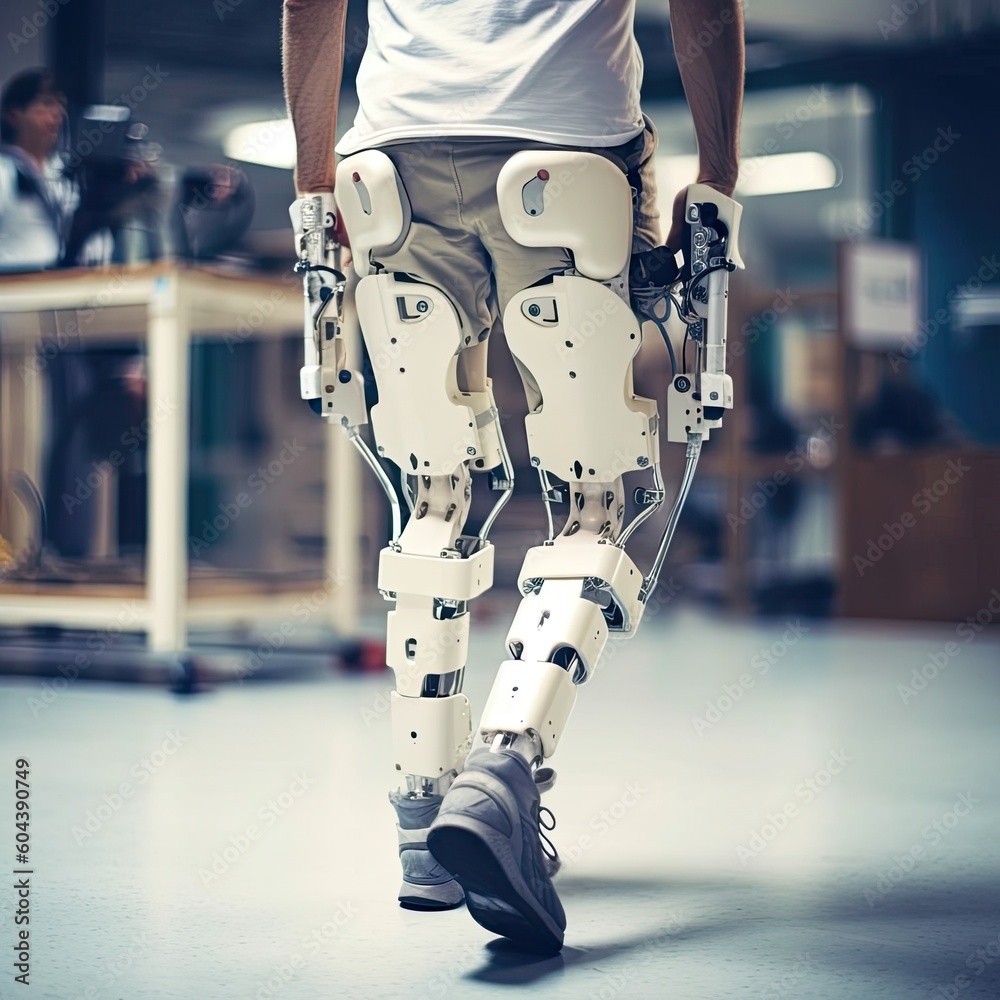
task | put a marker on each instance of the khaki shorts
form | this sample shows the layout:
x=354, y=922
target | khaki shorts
x=457, y=240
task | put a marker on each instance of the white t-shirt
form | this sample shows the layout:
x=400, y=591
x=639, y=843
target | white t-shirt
x=32, y=224
x=565, y=72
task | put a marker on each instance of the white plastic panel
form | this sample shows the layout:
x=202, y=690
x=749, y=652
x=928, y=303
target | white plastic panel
x=457, y=579
x=372, y=204
x=418, y=644
x=557, y=617
x=578, y=339
x=430, y=736
x=565, y=198
x=412, y=333
x=579, y=558
x=530, y=695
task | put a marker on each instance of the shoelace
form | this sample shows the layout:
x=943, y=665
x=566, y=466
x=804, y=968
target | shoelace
x=545, y=778
x=547, y=846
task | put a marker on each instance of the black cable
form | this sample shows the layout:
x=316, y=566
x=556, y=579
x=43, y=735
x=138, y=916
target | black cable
x=646, y=300
x=302, y=266
x=725, y=266
x=670, y=347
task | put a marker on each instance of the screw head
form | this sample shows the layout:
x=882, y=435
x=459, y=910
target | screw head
x=422, y=306
x=533, y=309
x=713, y=395
x=642, y=461
x=470, y=450
x=535, y=460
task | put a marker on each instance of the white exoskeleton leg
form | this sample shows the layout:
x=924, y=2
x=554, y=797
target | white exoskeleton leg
x=438, y=436
x=576, y=335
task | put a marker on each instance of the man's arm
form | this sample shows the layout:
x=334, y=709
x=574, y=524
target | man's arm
x=712, y=75
x=312, y=51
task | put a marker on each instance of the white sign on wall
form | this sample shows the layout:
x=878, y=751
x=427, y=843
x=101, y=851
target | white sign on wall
x=880, y=293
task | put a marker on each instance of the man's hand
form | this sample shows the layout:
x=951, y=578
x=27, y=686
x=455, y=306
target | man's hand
x=675, y=239
x=341, y=233
x=307, y=228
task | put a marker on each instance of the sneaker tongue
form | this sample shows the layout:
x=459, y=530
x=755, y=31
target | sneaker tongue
x=545, y=778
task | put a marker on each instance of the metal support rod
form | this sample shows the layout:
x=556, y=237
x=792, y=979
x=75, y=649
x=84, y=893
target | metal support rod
x=693, y=453
x=715, y=322
x=384, y=481
x=543, y=478
x=508, y=471
x=647, y=511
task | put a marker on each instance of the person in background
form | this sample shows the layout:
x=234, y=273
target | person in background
x=36, y=200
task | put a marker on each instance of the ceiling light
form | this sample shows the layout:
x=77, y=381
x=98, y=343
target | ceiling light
x=786, y=173
x=269, y=143
x=779, y=173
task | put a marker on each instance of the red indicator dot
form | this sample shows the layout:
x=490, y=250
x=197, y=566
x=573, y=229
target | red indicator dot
x=355, y=177
x=543, y=174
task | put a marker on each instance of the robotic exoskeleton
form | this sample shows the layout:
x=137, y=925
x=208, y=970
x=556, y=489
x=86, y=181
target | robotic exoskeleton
x=576, y=334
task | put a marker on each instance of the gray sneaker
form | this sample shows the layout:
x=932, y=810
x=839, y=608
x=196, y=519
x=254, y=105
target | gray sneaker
x=487, y=835
x=426, y=885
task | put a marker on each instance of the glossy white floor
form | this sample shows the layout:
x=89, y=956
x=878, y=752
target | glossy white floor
x=744, y=810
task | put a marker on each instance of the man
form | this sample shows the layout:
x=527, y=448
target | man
x=449, y=92
x=36, y=201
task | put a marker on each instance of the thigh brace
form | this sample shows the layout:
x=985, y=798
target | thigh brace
x=423, y=422
x=576, y=335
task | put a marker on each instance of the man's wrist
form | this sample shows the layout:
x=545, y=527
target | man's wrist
x=722, y=182
x=308, y=190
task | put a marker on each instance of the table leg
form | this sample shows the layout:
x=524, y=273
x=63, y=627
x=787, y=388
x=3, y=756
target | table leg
x=168, y=395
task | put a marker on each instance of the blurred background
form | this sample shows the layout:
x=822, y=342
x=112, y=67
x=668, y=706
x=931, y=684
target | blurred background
x=863, y=334
x=809, y=711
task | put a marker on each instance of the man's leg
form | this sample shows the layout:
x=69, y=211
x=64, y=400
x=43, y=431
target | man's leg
x=421, y=316
x=574, y=339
